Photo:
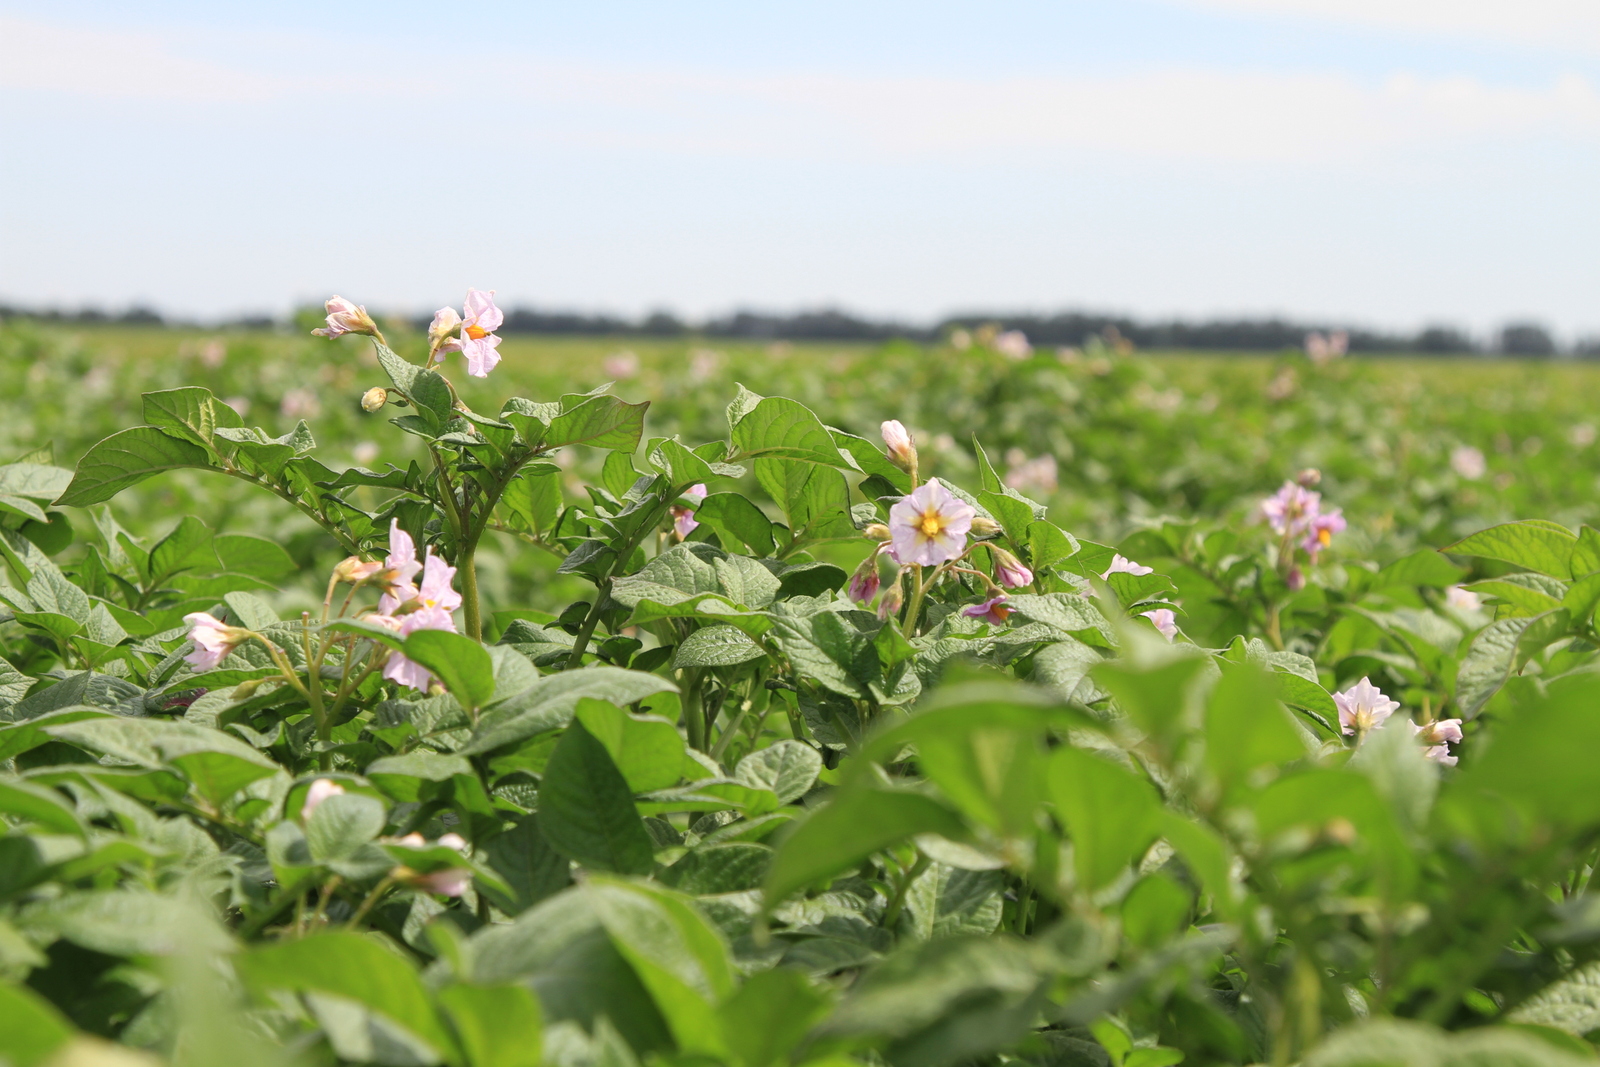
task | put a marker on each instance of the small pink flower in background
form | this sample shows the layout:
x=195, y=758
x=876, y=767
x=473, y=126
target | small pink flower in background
x=620, y=366
x=898, y=441
x=212, y=639
x=213, y=353
x=929, y=526
x=1462, y=599
x=436, y=591
x=450, y=883
x=1468, y=462
x=1013, y=344
x=345, y=317
x=1291, y=509
x=240, y=404
x=1124, y=565
x=1363, y=708
x=1039, y=474
x=1009, y=571
x=993, y=611
x=444, y=333
x=364, y=452
x=1319, y=534
x=683, y=521
x=478, y=339
x=455, y=841
x=703, y=363
x=300, y=404
x=1164, y=620
x=1321, y=348
x=320, y=790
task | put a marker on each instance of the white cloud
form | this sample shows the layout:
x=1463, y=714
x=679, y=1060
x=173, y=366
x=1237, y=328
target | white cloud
x=1564, y=25
x=1226, y=115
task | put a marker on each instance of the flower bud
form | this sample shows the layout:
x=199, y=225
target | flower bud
x=1309, y=478
x=876, y=531
x=345, y=317
x=374, y=398
x=982, y=527
x=1296, y=580
x=893, y=599
x=355, y=570
x=444, y=332
x=901, y=451
x=1009, y=570
x=864, y=582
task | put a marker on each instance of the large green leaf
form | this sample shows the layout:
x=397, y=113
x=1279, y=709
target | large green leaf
x=461, y=663
x=128, y=458
x=496, y=1026
x=1112, y=815
x=1535, y=545
x=586, y=809
x=647, y=749
x=33, y=1029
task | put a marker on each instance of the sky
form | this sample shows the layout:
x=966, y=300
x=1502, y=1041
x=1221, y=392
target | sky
x=1379, y=163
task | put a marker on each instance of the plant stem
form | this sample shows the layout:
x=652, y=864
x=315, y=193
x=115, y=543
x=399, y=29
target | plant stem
x=468, y=569
x=371, y=899
x=892, y=912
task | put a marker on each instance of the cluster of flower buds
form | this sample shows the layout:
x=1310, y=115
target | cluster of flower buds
x=450, y=882
x=1295, y=514
x=1363, y=708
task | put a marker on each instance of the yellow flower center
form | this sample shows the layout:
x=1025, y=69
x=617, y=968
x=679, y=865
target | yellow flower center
x=1325, y=536
x=477, y=333
x=932, y=523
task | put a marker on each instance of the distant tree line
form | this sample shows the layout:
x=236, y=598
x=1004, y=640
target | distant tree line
x=1066, y=328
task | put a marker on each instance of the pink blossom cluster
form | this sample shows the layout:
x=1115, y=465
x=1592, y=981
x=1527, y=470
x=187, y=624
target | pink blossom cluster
x=406, y=608
x=1364, y=708
x=472, y=333
x=1321, y=348
x=1295, y=511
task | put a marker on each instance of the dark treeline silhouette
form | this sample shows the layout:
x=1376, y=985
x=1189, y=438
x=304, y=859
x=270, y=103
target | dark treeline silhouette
x=830, y=324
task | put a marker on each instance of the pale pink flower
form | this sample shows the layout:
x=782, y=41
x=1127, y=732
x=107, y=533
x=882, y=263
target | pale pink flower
x=1319, y=534
x=1468, y=462
x=444, y=333
x=1040, y=473
x=478, y=339
x=212, y=639
x=455, y=841
x=399, y=570
x=1438, y=736
x=240, y=404
x=898, y=441
x=436, y=591
x=1124, y=565
x=1338, y=343
x=213, y=353
x=929, y=526
x=993, y=611
x=403, y=671
x=300, y=404
x=1164, y=620
x=1363, y=708
x=620, y=366
x=1013, y=344
x=1462, y=599
x=451, y=883
x=413, y=840
x=1291, y=509
x=683, y=521
x=345, y=317
x=320, y=790
x=1322, y=349
x=355, y=570
x=1010, y=571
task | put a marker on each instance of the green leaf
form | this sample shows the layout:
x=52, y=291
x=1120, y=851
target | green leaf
x=255, y=556
x=851, y=827
x=534, y=496
x=737, y=521
x=1404, y=1043
x=190, y=413
x=530, y=868
x=600, y=422
x=1158, y=700
x=496, y=1026
x=401, y=777
x=1424, y=567
x=1112, y=815
x=779, y=428
x=1049, y=544
x=187, y=547
x=729, y=868
x=647, y=749
x=767, y=1018
x=1155, y=909
x=217, y=776
x=716, y=646
x=1535, y=545
x=1487, y=664
x=341, y=824
x=128, y=458
x=1015, y=516
x=352, y=966
x=1571, y=1003
x=39, y=805
x=788, y=768
x=461, y=663
x=586, y=809
x=1543, y=755
x=1246, y=727
x=33, y=1029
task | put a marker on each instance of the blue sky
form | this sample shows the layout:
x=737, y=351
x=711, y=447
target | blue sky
x=1376, y=162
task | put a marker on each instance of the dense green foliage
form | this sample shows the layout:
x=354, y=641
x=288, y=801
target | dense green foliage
x=674, y=796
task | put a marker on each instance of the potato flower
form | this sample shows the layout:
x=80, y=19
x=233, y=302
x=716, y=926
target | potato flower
x=212, y=639
x=1010, y=571
x=993, y=611
x=1292, y=509
x=320, y=790
x=1438, y=736
x=345, y=317
x=1319, y=534
x=929, y=526
x=683, y=521
x=1363, y=708
x=478, y=340
x=898, y=441
x=1164, y=621
x=399, y=570
x=1124, y=565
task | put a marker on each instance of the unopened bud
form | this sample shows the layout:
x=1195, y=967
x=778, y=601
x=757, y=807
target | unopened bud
x=1309, y=478
x=355, y=570
x=893, y=599
x=1296, y=580
x=898, y=441
x=1009, y=570
x=983, y=527
x=345, y=317
x=876, y=531
x=444, y=332
x=374, y=398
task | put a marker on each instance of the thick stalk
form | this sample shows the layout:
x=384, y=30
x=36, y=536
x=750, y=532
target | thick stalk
x=467, y=568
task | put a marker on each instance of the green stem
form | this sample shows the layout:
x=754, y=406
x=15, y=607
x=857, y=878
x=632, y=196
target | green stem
x=580, y=642
x=914, y=608
x=892, y=912
x=371, y=899
x=467, y=567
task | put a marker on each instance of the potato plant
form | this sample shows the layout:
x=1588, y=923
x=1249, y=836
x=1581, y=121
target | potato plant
x=1212, y=795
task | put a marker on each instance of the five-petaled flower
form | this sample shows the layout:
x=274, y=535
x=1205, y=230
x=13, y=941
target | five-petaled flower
x=405, y=608
x=994, y=610
x=1291, y=509
x=929, y=526
x=399, y=570
x=212, y=639
x=1124, y=565
x=1363, y=708
x=1320, y=531
x=345, y=317
x=1438, y=736
x=683, y=521
x=1164, y=621
x=478, y=340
